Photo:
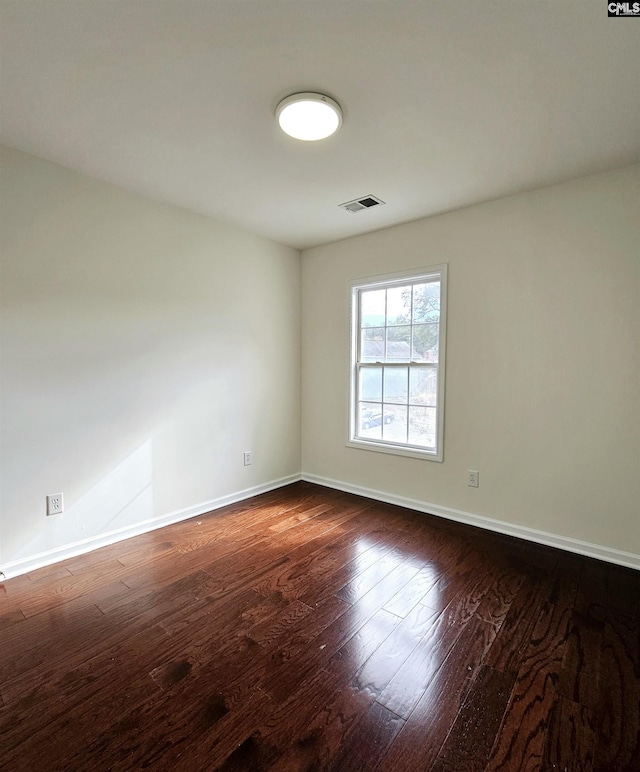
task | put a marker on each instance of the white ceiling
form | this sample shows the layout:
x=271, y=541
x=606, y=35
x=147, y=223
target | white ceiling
x=445, y=104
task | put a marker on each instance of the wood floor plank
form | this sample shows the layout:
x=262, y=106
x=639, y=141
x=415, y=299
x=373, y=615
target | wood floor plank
x=618, y=716
x=354, y=654
x=521, y=741
x=461, y=570
x=374, y=732
x=375, y=674
x=319, y=743
x=428, y=724
x=78, y=692
x=580, y=673
x=346, y=644
x=266, y=632
x=622, y=586
x=44, y=639
x=45, y=596
x=317, y=557
x=497, y=601
x=407, y=597
x=308, y=726
x=11, y=619
x=473, y=733
x=408, y=685
x=571, y=738
x=365, y=581
x=516, y=629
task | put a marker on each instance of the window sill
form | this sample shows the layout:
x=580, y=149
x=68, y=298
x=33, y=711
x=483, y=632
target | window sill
x=394, y=450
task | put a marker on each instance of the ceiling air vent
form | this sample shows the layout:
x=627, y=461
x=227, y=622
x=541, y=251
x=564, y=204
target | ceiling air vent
x=366, y=202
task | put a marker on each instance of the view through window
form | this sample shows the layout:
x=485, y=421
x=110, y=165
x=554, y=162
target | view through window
x=397, y=363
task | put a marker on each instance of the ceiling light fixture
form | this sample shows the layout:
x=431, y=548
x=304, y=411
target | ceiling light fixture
x=309, y=116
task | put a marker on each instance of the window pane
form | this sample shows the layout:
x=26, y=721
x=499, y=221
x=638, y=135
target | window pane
x=394, y=427
x=398, y=344
x=399, y=305
x=396, y=384
x=422, y=426
x=425, y=342
x=372, y=344
x=423, y=386
x=395, y=377
x=371, y=384
x=370, y=420
x=426, y=302
x=372, y=308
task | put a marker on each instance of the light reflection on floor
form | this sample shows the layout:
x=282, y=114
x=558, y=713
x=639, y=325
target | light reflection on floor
x=393, y=647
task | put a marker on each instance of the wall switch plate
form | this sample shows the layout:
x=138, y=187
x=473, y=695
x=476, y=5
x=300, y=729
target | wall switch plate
x=248, y=458
x=55, y=504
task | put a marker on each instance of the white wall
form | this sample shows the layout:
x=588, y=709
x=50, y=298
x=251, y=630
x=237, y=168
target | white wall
x=543, y=350
x=144, y=349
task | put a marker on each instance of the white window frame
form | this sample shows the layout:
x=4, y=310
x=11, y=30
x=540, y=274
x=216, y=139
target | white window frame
x=415, y=276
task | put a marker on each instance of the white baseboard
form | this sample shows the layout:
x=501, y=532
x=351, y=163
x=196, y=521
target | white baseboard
x=628, y=559
x=31, y=563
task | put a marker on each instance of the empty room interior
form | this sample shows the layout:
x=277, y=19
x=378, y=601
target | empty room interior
x=320, y=442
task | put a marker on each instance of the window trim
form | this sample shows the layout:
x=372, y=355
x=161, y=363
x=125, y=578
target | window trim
x=386, y=281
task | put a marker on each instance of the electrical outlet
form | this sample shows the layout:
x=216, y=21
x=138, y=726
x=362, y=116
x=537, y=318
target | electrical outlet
x=248, y=458
x=473, y=478
x=55, y=504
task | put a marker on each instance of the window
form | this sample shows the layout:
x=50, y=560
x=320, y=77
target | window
x=397, y=363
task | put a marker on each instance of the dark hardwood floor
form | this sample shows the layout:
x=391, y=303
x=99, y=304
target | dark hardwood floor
x=308, y=629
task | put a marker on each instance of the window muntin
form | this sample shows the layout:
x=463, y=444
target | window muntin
x=397, y=363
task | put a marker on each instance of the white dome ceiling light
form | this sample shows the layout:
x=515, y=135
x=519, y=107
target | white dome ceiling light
x=309, y=116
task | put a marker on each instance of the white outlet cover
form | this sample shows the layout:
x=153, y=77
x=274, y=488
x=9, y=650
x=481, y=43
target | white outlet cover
x=55, y=504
